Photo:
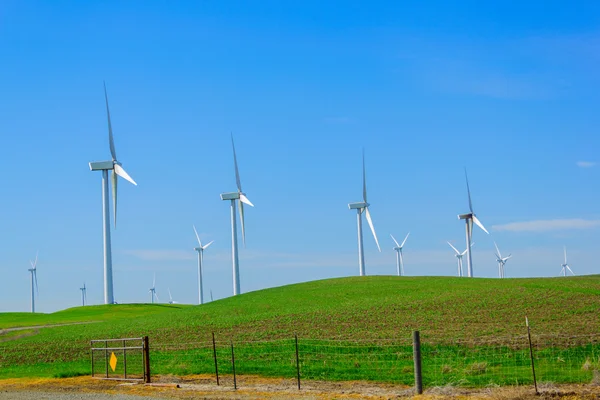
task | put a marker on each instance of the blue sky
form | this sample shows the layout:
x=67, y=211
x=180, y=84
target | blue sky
x=508, y=91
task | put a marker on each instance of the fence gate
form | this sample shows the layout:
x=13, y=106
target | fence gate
x=121, y=359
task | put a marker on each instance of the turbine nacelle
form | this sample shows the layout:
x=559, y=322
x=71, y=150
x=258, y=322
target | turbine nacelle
x=357, y=206
x=465, y=216
x=231, y=196
x=102, y=165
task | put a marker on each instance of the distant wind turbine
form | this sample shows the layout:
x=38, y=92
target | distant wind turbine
x=83, y=294
x=200, y=249
x=33, y=271
x=469, y=219
x=565, y=266
x=117, y=170
x=152, y=291
x=171, y=301
x=399, y=257
x=241, y=198
x=459, y=257
x=363, y=207
x=501, y=261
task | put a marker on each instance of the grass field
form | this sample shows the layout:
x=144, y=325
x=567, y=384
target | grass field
x=370, y=320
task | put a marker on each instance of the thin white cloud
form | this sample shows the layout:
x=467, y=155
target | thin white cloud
x=548, y=225
x=161, y=255
x=586, y=164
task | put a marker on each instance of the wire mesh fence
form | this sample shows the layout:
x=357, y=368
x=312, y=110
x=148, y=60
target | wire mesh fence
x=467, y=363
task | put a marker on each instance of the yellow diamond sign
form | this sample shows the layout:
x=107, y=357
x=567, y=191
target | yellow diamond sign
x=113, y=361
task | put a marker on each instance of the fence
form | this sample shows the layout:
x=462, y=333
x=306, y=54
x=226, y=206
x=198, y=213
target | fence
x=121, y=359
x=468, y=363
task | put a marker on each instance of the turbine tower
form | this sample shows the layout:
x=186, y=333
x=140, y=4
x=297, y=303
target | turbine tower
x=469, y=219
x=399, y=257
x=241, y=199
x=564, y=266
x=459, y=257
x=33, y=271
x=83, y=294
x=363, y=207
x=501, y=261
x=117, y=170
x=200, y=249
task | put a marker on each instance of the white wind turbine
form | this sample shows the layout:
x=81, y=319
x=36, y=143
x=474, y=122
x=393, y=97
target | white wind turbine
x=33, y=271
x=83, y=294
x=469, y=219
x=152, y=291
x=363, y=207
x=241, y=199
x=171, y=301
x=399, y=257
x=501, y=261
x=459, y=257
x=565, y=266
x=117, y=170
x=200, y=249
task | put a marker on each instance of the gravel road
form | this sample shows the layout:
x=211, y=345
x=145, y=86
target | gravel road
x=19, y=395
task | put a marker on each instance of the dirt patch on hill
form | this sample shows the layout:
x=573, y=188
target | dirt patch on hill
x=251, y=387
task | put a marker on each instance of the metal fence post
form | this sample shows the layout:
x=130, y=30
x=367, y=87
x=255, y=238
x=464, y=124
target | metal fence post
x=215, y=357
x=233, y=366
x=146, y=349
x=531, y=355
x=417, y=360
x=124, y=360
x=297, y=360
x=92, y=354
x=106, y=356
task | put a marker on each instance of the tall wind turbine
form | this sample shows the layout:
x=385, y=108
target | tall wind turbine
x=399, y=258
x=152, y=291
x=363, y=207
x=241, y=199
x=469, y=219
x=459, y=257
x=200, y=249
x=117, y=170
x=564, y=266
x=501, y=261
x=33, y=271
x=83, y=294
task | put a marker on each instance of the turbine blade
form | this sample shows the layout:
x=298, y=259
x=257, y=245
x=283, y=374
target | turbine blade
x=114, y=182
x=121, y=172
x=404, y=241
x=370, y=221
x=454, y=248
x=111, y=141
x=208, y=244
x=154, y=282
x=155, y=295
x=170, y=297
x=468, y=192
x=36, y=258
x=364, y=177
x=497, y=250
x=570, y=270
x=197, y=237
x=565, y=254
x=506, y=258
x=241, y=207
x=395, y=241
x=244, y=199
x=237, y=173
x=479, y=224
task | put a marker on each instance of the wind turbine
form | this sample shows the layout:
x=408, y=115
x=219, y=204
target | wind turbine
x=459, y=257
x=469, y=219
x=399, y=258
x=501, y=261
x=33, y=271
x=117, y=170
x=83, y=294
x=564, y=266
x=241, y=199
x=152, y=291
x=200, y=249
x=360, y=208
x=171, y=301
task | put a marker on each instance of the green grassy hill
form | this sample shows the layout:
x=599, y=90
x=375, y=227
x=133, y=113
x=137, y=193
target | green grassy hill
x=444, y=309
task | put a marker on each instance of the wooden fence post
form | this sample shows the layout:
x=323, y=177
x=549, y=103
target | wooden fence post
x=417, y=360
